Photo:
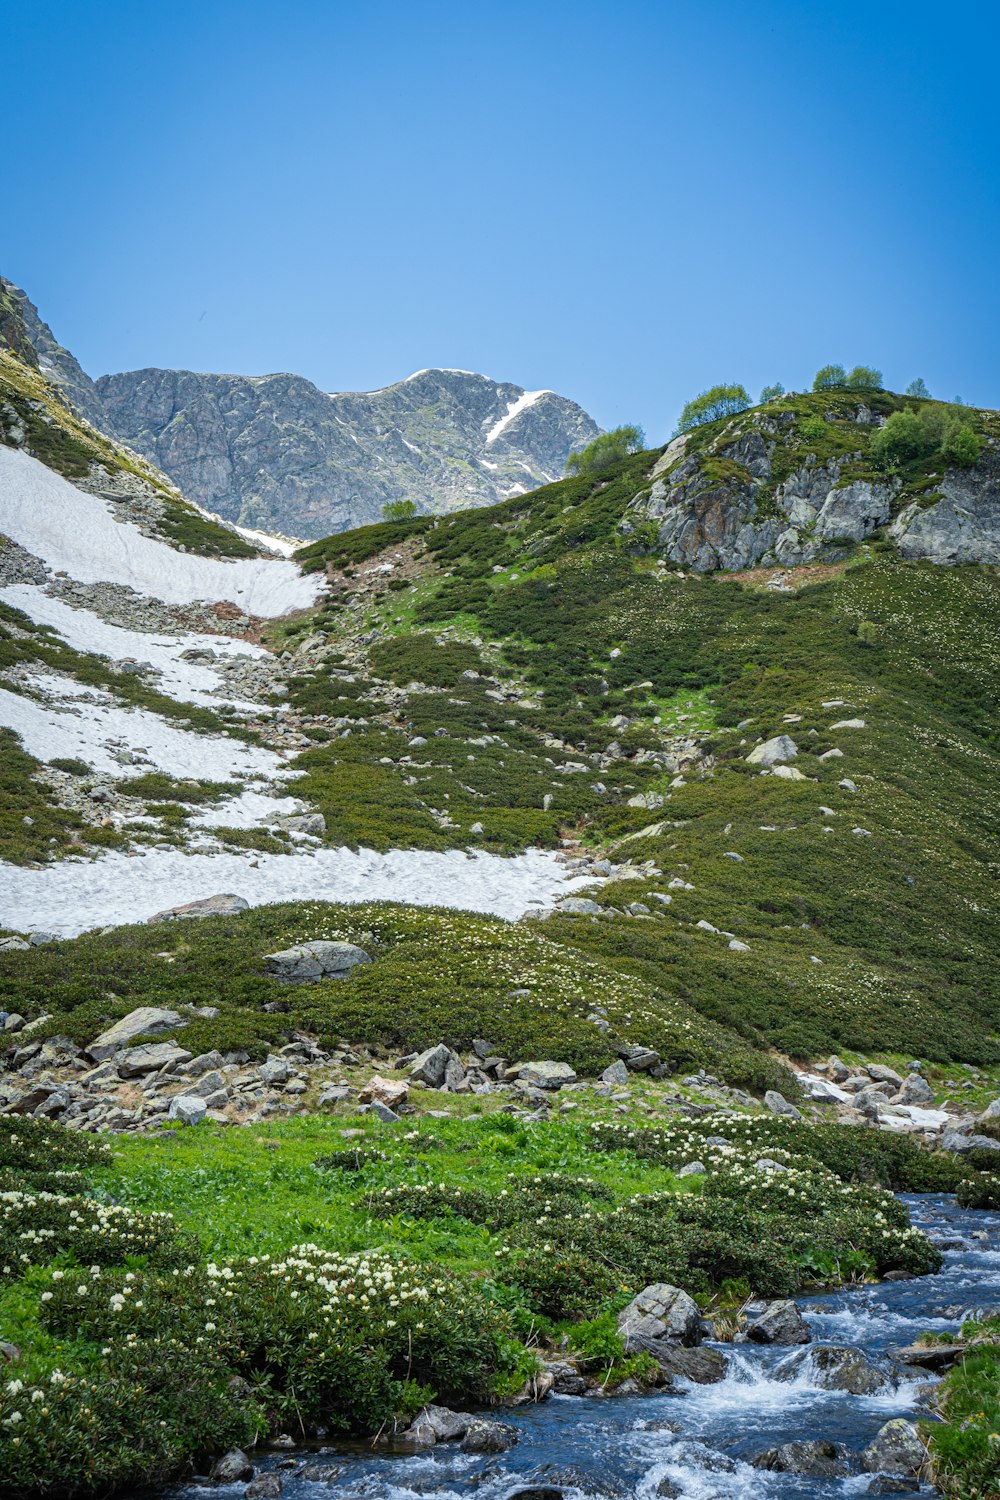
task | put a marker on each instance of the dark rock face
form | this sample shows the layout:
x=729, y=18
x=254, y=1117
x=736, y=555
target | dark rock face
x=274, y=452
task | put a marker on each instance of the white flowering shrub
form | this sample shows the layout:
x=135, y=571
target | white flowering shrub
x=38, y=1227
x=42, y=1154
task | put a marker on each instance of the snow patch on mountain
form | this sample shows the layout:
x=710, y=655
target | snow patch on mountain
x=77, y=534
x=514, y=409
x=74, y=896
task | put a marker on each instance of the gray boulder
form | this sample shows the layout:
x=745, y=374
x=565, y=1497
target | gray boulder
x=275, y=1071
x=431, y=1067
x=135, y=1061
x=187, y=1109
x=780, y=1323
x=308, y=963
x=962, y=527
x=781, y=748
x=882, y=1074
x=779, y=1105
x=615, y=1074
x=148, y=1020
x=960, y=1144
x=915, y=1090
x=895, y=1449
x=13, y=945
x=211, y=906
x=546, y=1075
x=579, y=906
x=482, y=1436
x=264, y=1487
x=699, y=1366
x=437, y=1424
x=660, y=1312
x=232, y=1466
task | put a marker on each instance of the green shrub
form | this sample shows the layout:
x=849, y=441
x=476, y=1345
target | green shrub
x=830, y=378
x=606, y=450
x=719, y=401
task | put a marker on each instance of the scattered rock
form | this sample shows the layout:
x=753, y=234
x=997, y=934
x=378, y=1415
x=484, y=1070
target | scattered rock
x=187, y=1109
x=779, y=1105
x=308, y=963
x=781, y=748
x=393, y=1093
x=211, y=906
x=148, y=1020
x=135, y=1061
x=546, y=1075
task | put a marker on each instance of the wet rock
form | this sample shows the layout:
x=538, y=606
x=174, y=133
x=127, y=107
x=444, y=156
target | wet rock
x=815, y=1458
x=700, y=1366
x=566, y=1378
x=148, y=1020
x=538, y=1492
x=321, y=1473
x=895, y=1449
x=660, y=1312
x=482, y=1436
x=308, y=963
x=780, y=1323
x=890, y=1484
x=836, y=1367
x=211, y=906
x=265, y=1487
x=437, y=1424
x=232, y=1466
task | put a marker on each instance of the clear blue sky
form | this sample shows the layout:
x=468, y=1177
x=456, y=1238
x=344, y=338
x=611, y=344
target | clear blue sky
x=625, y=202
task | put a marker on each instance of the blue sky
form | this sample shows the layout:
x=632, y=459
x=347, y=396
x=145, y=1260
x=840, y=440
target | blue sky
x=625, y=202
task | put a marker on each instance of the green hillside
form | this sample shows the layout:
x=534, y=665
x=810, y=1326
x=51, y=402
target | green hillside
x=870, y=925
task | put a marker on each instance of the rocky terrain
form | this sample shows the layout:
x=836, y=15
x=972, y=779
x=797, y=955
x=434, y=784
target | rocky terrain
x=274, y=453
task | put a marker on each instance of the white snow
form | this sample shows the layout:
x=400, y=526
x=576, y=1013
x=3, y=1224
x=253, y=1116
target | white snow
x=286, y=545
x=253, y=808
x=75, y=895
x=89, y=726
x=77, y=534
x=514, y=409
x=187, y=681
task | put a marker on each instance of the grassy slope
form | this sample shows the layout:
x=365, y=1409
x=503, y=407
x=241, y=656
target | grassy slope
x=902, y=922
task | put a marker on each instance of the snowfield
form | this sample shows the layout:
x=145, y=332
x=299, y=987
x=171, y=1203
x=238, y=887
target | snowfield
x=186, y=681
x=88, y=725
x=77, y=534
x=74, y=895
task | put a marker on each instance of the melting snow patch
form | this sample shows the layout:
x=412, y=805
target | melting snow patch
x=514, y=409
x=90, y=727
x=75, y=895
x=77, y=534
x=188, y=682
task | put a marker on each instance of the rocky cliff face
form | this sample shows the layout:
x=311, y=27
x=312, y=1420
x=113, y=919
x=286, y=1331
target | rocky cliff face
x=24, y=334
x=776, y=487
x=275, y=452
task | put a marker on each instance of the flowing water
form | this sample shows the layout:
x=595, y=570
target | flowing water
x=696, y=1444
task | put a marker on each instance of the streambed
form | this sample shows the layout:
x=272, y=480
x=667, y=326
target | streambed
x=696, y=1445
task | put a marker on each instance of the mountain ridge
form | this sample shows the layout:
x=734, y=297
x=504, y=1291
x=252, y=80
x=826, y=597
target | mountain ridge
x=275, y=453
